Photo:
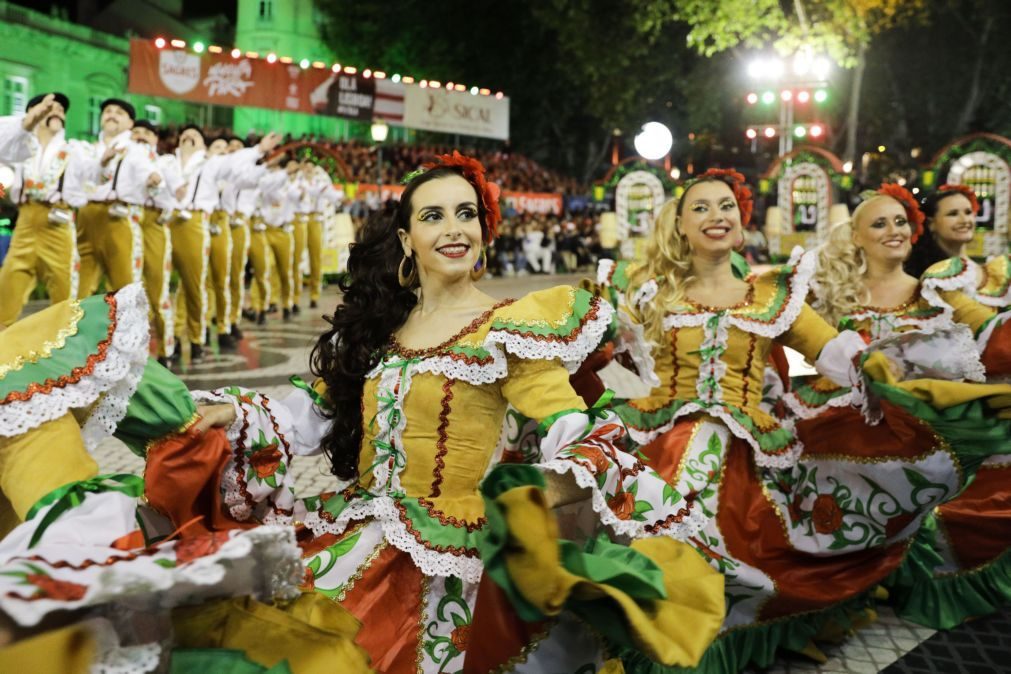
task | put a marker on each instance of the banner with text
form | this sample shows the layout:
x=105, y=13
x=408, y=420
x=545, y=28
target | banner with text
x=221, y=79
x=456, y=112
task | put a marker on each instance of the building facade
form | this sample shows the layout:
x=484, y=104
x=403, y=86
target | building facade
x=41, y=52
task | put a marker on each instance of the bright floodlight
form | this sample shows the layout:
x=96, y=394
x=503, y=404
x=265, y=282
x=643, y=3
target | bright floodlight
x=769, y=132
x=816, y=131
x=800, y=132
x=820, y=96
x=752, y=98
x=802, y=63
x=751, y=133
x=198, y=47
x=756, y=68
x=803, y=96
x=821, y=67
x=654, y=141
x=379, y=130
x=768, y=97
x=847, y=166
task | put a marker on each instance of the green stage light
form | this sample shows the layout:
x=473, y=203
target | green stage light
x=198, y=47
x=768, y=97
x=800, y=132
x=820, y=96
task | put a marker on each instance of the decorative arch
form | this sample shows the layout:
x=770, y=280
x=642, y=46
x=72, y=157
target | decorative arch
x=622, y=197
x=324, y=156
x=819, y=153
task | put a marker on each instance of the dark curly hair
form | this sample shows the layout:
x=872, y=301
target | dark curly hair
x=374, y=307
x=926, y=251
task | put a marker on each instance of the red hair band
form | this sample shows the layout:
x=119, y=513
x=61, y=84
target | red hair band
x=964, y=190
x=908, y=202
x=473, y=172
x=734, y=179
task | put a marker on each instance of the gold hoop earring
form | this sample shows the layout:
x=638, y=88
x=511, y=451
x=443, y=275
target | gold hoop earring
x=479, y=270
x=407, y=280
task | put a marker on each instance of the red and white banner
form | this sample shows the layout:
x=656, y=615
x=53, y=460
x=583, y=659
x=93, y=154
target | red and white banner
x=223, y=79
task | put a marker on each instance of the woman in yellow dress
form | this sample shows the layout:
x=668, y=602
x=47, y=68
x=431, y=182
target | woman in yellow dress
x=450, y=422
x=802, y=523
x=958, y=564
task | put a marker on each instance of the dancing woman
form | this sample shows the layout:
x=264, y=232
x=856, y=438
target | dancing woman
x=802, y=522
x=950, y=227
x=446, y=550
x=958, y=565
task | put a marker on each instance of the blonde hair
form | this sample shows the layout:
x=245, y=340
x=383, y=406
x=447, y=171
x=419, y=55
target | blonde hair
x=839, y=278
x=668, y=260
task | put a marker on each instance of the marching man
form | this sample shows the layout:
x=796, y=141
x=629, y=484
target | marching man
x=47, y=188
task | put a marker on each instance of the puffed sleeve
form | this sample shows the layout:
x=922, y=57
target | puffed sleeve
x=831, y=352
x=257, y=482
x=16, y=144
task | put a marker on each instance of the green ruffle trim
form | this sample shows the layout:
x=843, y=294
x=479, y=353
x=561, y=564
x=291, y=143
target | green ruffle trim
x=949, y=268
x=582, y=304
x=739, y=265
x=971, y=428
x=598, y=560
x=942, y=601
x=812, y=397
x=1000, y=267
x=92, y=329
x=755, y=646
x=161, y=405
x=773, y=441
x=220, y=661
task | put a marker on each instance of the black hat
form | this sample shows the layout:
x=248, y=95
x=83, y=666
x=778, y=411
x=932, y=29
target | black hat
x=145, y=124
x=60, y=98
x=187, y=127
x=121, y=103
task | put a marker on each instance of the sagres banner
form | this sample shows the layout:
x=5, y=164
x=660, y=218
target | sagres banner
x=221, y=79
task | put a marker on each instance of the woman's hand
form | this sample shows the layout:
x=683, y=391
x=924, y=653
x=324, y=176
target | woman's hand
x=220, y=416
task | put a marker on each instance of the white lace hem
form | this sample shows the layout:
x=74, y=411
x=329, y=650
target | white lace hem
x=383, y=510
x=116, y=376
x=803, y=411
x=681, y=531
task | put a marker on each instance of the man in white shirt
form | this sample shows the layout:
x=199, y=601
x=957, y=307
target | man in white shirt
x=277, y=209
x=47, y=188
x=323, y=193
x=109, y=237
x=235, y=201
x=155, y=233
x=203, y=173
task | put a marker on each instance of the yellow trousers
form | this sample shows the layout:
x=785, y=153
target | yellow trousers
x=282, y=246
x=42, y=251
x=109, y=246
x=37, y=462
x=157, y=272
x=220, y=277
x=191, y=248
x=299, y=235
x=240, y=253
x=259, y=253
x=315, y=241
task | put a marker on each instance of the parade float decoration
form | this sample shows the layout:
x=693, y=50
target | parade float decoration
x=805, y=182
x=979, y=161
x=639, y=192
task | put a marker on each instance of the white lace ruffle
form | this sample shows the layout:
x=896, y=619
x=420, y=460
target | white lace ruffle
x=785, y=460
x=605, y=268
x=499, y=343
x=383, y=510
x=803, y=411
x=116, y=376
x=646, y=292
x=113, y=658
x=681, y=531
x=799, y=284
x=983, y=339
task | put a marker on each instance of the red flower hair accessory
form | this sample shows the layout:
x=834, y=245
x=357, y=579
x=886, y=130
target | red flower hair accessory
x=908, y=201
x=487, y=192
x=965, y=191
x=734, y=180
